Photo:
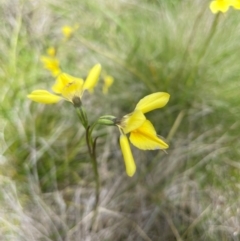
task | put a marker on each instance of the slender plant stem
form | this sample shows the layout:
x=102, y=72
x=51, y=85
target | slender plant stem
x=91, y=149
x=91, y=145
x=95, y=168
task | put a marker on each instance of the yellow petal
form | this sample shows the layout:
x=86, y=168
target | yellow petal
x=145, y=138
x=92, y=78
x=219, y=5
x=67, y=84
x=44, y=97
x=108, y=81
x=73, y=90
x=51, y=51
x=152, y=102
x=127, y=156
x=132, y=121
x=67, y=31
x=236, y=4
x=51, y=64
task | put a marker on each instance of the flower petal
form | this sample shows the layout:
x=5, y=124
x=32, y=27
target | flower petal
x=145, y=138
x=127, y=156
x=236, y=4
x=67, y=84
x=108, y=81
x=153, y=101
x=73, y=90
x=44, y=97
x=67, y=31
x=92, y=78
x=51, y=64
x=132, y=121
x=51, y=51
x=219, y=5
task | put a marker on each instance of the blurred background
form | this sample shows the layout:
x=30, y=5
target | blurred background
x=179, y=47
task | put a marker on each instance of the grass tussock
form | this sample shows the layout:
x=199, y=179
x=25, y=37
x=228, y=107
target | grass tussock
x=178, y=47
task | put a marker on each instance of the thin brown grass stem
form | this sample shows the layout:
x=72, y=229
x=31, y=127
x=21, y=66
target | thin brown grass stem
x=172, y=226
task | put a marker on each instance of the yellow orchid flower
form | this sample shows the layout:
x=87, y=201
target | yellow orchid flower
x=108, y=81
x=236, y=4
x=51, y=64
x=67, y=87
x=223, y=5
x=68, y=31
x=219, y=6
x=142, y=133
x=51, y=51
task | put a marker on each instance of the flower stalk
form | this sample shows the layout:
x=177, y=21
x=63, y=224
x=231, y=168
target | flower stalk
x=91, y=145
x=82, y=116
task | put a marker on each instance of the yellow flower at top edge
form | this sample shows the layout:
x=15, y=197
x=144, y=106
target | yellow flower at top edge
x=142, y=133
x=223, y=5
x=68, y=88
x=219, y=6
x=236, y=4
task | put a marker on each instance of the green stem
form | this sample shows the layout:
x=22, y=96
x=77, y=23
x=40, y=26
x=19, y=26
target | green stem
x=91, y=145
x=95, y=168
x=92, y=152
x=82, y=116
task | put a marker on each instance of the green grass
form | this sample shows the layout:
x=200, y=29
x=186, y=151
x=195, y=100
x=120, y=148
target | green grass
x=46, y=179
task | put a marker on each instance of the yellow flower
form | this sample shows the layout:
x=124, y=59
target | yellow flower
x=142, y=133
x=67, y=87
x=223, y=5
x=108, y=81
x=67, y=31
x=219, y=6
x=236, y=4
x=51, y=51
x=51, y=64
